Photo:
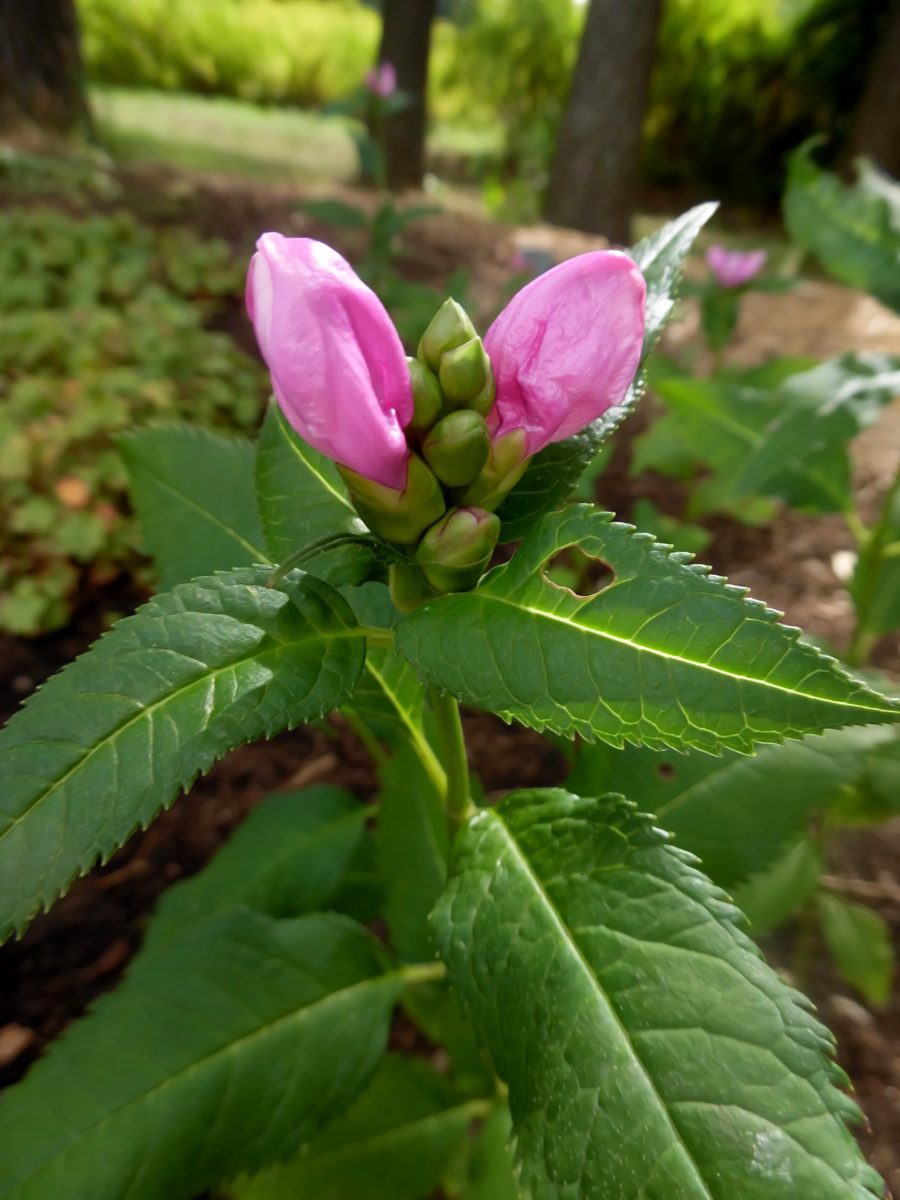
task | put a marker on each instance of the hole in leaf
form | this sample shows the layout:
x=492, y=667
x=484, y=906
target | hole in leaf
x=665, y=770
x=571, y=570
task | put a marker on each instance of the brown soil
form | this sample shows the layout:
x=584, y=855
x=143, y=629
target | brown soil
x=83, y=945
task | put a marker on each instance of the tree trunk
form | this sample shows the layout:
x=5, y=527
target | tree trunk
x=405, y=42
x=876, y=127
x=594, y=177
x=41, y=68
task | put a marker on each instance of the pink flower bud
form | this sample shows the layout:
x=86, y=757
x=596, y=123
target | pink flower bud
x=734, y=268
x=382, y=81
x=566, y=347
x=338, y=369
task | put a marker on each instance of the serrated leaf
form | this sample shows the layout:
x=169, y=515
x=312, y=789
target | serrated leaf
x=287, y=858
x=195, y=498
x=115, y=736
x=393, y=1144
x=648, y=1049
x=219, y=1054
x=412, y=842
x=860, y=944
x=553, y=473
x=736, y=812
x=303, y=499
x=822, y=410
x=665, y=655
x=853, y=232
x=770, y=897
x=727, y=420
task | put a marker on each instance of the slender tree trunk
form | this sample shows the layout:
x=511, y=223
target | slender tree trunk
x=405, y=42
x=876, y=128
x=594, y=177
x=41, y=68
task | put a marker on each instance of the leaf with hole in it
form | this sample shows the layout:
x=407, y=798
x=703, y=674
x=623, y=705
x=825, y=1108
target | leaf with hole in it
x=735, y=811
x=664, y=655
x=860, y=944
x=195, y=498
x=648, y=1049
x=854, y=232
x=219, y=1054
x=287, y=858
x=303, y=500
x=115, y=736
x=393, y=1144
x=553, y=473
x=412, y=850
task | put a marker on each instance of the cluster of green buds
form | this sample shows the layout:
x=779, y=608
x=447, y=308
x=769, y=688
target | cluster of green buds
x=443, y=517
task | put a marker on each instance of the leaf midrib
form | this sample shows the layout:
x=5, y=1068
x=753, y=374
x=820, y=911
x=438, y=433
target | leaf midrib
x=298, y=1014
x=148, y=709
x=591, y=631
x=211, y=517
x=426, y=755
x=585, y=967
x=313, y=471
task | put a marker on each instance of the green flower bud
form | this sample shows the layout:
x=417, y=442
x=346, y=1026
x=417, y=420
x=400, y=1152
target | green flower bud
x=427, y=396
x=467, y=380
x=409, y=589
x=454, y=554
x=400, y=517
x=502, y=471
x=450, y=327
x=457, y=447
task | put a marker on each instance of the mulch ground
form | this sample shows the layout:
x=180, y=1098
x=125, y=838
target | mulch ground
x=83, y=945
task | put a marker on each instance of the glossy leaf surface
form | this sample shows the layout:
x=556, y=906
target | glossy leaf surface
x=666, y=654
x=393, y=1144
x=648, y=1049
x=554, y=472
x=195, y=497
x=217, y=1055
x=287, y=858
x=115, y=736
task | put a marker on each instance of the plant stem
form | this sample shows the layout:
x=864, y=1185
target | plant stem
x=457, y=801
x=423, y=973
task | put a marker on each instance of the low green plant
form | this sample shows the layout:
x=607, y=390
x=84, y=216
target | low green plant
x=103, y=330
x=592, y=991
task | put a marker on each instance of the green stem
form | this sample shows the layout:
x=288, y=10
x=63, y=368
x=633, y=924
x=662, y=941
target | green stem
x=458, y=801
x=423, y=973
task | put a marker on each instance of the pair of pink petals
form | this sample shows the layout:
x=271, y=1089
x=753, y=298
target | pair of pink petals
x=564, y=350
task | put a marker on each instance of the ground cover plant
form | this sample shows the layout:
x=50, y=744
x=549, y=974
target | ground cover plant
x=600, y=1008
x=104, y=329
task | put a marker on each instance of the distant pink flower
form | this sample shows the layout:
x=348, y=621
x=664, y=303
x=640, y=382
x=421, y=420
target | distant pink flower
x=338, y=368
x=734, y=268
x=566, y=347
x=382, y=81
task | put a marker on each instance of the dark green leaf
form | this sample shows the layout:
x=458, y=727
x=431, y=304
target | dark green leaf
x=301, y=496
x=115, y=737
x=648, y=1049
x=434, y=1008
x=393, y=1144
x=287, y=858
x=412, y=851
x=860, y=944
x=665, y=655
x=336, y=212
x=195, y=499
x=876, y=582
x=853, y=232
x=554, y=472
x=736, y=812
x=219, y=1054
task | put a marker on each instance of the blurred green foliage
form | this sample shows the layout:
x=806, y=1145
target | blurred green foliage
x=102, y=330
x=304, y=52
